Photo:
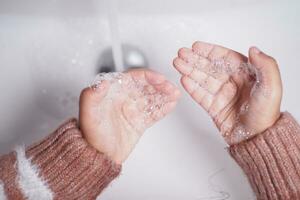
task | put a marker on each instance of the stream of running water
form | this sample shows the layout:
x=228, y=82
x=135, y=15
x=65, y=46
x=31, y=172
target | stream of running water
x=115, y=34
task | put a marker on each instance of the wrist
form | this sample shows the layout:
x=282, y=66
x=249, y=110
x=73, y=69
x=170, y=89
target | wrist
x=244, y=130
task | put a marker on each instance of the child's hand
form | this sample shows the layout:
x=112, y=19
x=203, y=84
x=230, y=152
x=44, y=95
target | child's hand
x=115, y=113
x=242, y=95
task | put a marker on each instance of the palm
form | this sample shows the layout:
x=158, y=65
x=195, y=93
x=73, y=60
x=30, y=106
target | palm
x=133, y=102
x=221, y=81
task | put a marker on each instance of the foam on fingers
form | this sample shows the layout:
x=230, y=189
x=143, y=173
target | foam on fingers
x=189, y=84
x=154, y=77
x=141, y=95
x=168, y=107
x=268, y=81
x=188, y=55
x=202, y=48
x=196, y=92
x=223, y=98
x=166, y=88
x=182, y=66
x=93, y=95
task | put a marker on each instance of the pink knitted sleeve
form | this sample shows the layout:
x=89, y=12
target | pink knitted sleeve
x=62, y=166
x=271, y=160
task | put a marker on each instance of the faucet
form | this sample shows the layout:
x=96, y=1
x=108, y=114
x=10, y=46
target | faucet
x=133, y=57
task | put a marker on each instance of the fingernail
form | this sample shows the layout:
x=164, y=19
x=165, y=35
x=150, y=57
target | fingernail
x=256, y=50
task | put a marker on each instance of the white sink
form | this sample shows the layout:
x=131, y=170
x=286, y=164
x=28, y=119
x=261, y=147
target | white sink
x=49, y=50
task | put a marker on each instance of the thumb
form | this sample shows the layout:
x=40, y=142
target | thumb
x=92, y=96
x=267, y=73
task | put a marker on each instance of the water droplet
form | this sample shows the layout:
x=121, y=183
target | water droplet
x=244, y=108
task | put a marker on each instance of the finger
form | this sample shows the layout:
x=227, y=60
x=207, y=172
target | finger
x=169, y=90
x=145, y=75
x=216, y=52
x=210, y=83
x=210, y=51
x=268, y=75
x=202, y=76
x=153, y=77
x=188, y=55
x=183, y=67
x=199, y=94
x=223, y=98
x=202, y=48
x=188, y=68
x=161, y=112
x=92, y=96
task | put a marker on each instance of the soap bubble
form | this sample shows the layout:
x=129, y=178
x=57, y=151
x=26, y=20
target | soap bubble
x=134, y=94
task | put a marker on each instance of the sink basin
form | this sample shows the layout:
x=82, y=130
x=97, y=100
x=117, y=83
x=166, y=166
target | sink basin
x=49, y=51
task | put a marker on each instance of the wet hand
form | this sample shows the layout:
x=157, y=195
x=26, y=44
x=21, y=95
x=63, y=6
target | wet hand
x=116, y=110
x=242, y=95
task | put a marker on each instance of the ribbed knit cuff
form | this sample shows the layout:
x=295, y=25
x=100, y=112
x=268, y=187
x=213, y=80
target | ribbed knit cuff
x=271, y=160
x=71, y=167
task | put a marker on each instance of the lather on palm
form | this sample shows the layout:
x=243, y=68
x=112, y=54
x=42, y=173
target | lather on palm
x=113, y=126
x=240, y=102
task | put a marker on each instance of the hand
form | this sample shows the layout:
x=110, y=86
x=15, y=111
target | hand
x=242, y=95
x=115, y=113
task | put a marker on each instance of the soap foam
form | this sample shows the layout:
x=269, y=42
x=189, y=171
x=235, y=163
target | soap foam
x=141, y=99
x=221, y=66
x=239, y=131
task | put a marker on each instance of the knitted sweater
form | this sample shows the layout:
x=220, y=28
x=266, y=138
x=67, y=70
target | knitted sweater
x=64, y=166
